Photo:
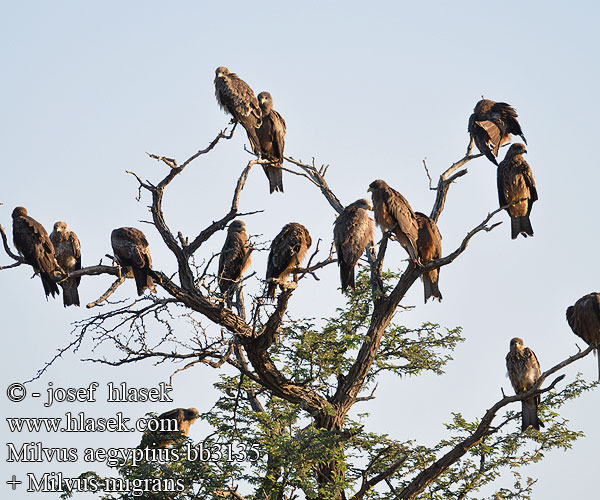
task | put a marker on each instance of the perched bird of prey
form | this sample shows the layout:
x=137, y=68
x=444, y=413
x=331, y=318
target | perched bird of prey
x=429, y=247
x=235, y=256
x=584, y=320
x=132, y=252
x=523, y=372
x=352, y=232
x=393, y=213
x=236, y=97
x=68, y=255
x=287, y=252
x=515, y=182
x=33, y=243
x=271, y=135
x=490, y=126
x=174, y=424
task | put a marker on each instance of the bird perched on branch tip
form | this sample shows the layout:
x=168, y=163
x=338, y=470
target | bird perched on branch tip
x=490, y=126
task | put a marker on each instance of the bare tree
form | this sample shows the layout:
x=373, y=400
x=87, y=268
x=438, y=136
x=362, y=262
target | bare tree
x=289, y=373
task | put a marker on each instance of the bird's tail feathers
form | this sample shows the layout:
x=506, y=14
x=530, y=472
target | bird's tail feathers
x=50, y=286
x=70, y=295
x=430, y=286
x=521, y=225
x=529, y=416
x=143, y=280
x=490, y=156
x=275, y=176
x=271, y=288
x=253, y=138
x=347, y=276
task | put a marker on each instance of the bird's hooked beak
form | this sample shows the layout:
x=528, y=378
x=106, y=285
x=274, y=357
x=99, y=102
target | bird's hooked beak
x=369, y=207
x=370, y=190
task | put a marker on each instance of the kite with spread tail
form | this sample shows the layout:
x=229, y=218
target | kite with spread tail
x=490, y=126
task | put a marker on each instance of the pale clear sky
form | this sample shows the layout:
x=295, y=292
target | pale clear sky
x=369, y=88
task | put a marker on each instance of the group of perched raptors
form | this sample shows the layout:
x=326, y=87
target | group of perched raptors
x=57, y=256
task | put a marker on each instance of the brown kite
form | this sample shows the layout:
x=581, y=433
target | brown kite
x=515, y=182
x=271, y=135
x=393, y=213
x=68, y=255
x=523, y=372
x=288, y=249
x=174, y=424
x=352, y=232
x=490, y=126
x=429, y=247
x=235, y=256
x=584, y=320
x=132, y=251
x=236, y=97
x=32, y=242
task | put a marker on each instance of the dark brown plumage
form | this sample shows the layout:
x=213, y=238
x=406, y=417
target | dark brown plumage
x=32, y=242
x=352, y=232
x=523, y=372
x=68, y=254
x=490, y=126
x=584, y=319
x=235, y=256
x=429, y=247
x=515, y=182
x=393, y=213
x=132, y=252
x=178, y=419
x=271, y=135
x=287, y=252
x=236, y=97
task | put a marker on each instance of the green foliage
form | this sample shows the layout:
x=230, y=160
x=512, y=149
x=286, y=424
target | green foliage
x=316, y=356
x=286, y=452
x=506, y=447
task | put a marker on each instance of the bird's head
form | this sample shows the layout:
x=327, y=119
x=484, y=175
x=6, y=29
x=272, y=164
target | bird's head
x=237, y=226
x=221, y=71
x=516, y=344
x=18, y=212
x=483, y=106
x=516, y=149
x=191, y=414
x=60, y=226
x=377, y=185
x=363, y=203
x=265, y=101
